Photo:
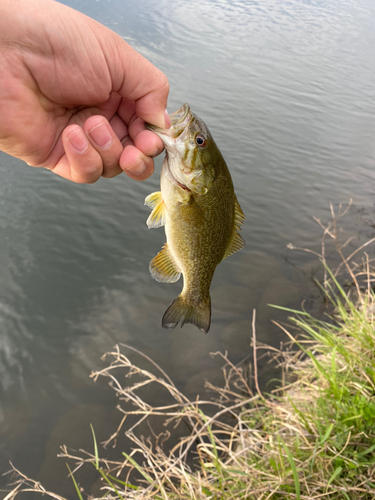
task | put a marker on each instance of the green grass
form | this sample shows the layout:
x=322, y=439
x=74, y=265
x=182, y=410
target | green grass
x=313, y=438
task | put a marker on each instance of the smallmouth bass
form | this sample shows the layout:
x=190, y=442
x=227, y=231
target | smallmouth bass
x=200, y=212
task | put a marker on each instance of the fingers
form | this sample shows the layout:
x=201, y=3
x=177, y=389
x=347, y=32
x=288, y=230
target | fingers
x=144, y=84
x=135, y=164
x=102, y=149
x=81, y=162
x=105, y=149
x=145, y=140
x=92, y=151
x=140, y=145
x=106, y=141
x=136, y=160
x=150, y=107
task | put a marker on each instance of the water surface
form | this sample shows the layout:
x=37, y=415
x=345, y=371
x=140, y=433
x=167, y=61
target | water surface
x=287, y=90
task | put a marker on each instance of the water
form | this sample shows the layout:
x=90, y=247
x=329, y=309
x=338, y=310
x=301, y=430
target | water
x=287, y=90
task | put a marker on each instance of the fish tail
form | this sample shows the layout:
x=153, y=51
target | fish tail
x=182, y=310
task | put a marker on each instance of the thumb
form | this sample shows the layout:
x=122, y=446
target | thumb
x=144, y=84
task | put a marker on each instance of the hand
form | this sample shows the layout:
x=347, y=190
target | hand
x=74, y=96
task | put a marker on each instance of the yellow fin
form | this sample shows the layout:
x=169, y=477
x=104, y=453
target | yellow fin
x=163, y=267
x=153, y=199
x=237, y=241
x=157, y=217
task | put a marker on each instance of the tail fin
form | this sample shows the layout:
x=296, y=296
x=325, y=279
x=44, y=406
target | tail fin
x=181, y=310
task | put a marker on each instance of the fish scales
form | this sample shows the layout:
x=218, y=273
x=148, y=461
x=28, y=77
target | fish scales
x=198, y=207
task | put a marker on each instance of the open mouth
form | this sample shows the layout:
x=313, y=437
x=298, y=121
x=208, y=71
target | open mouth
x=180, y=115
x=173, y=136
x=180, y=119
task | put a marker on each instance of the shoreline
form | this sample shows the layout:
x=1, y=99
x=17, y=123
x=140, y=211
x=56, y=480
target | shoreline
x=313, y=437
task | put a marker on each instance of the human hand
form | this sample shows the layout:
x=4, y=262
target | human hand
x=74, y=96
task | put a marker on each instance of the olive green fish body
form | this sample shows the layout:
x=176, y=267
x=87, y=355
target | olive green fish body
x=201, y=215
x=198, y=232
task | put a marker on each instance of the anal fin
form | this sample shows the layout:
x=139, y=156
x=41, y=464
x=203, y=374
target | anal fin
x=163, y=267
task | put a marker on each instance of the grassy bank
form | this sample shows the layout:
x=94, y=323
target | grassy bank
x=312, y=438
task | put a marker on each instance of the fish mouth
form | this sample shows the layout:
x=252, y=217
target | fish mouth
x=180, y=121
x=178, y=117
x=174, y=137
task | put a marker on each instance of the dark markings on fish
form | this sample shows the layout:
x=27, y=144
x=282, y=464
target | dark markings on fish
x=195, y=151
x=183, y=186
x=177, y=134
x=199, y=208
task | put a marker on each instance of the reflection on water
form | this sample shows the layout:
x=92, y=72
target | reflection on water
x=287, y=90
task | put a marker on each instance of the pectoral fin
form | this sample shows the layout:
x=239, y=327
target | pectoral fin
x=163, y=267
x=153, y=199
x=157, y=217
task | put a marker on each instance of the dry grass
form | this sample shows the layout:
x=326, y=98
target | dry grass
x=314, y=438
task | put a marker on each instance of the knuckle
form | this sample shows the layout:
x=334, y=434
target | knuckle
x=88, y=173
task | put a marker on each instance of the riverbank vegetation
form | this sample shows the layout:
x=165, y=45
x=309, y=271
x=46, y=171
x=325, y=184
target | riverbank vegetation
x=311, y=438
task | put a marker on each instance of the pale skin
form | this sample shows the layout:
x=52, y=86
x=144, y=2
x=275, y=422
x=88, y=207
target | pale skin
x=74, y=96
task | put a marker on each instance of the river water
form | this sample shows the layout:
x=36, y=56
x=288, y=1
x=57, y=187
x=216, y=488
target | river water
x=287, y=89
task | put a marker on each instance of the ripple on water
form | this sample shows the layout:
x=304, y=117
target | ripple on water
x=287, y=90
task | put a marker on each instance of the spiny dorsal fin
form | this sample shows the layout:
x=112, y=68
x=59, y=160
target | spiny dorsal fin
x=153, y=199
x=157, y=217
x=236, y=244
x=237, y=241
x=163, y=267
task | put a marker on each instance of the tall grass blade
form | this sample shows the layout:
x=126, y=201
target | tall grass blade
x=95, y=447
x=75, y=483
x=138, y=467
x=294, y=469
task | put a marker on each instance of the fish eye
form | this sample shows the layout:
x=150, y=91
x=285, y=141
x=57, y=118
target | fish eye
x=201, y=141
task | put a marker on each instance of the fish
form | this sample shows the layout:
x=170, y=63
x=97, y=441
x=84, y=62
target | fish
x=200, y=213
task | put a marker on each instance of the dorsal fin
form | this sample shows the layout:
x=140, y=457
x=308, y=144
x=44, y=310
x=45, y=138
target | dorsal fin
x=163, y=268
x=236, y=244
x=239, y=216
x=237, y=241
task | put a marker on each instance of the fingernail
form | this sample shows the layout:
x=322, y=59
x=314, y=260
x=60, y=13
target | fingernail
x=154, y=152
x=167, y=120
x=78, y=140
x=101, y=135
x=138, y=168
